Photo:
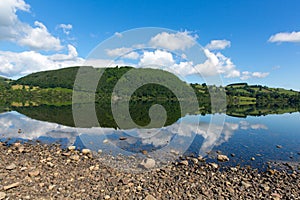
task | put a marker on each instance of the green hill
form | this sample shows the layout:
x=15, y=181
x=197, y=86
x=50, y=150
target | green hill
x=63, y=78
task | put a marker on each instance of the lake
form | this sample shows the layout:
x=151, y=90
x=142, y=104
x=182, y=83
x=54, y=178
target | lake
x=257, y=141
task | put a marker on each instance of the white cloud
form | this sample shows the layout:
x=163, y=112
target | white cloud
x=157, y=58
x=123, y=52
x=174, y=41
x=285, y=37
x=260, y=74
x=19, y=64
x=66, y=28
x=218, y=44
x=247, y=75
x=39, y=38
x=13, y=30
x=217, y=64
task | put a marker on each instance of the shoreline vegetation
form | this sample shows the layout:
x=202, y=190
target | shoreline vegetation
x=55, y=88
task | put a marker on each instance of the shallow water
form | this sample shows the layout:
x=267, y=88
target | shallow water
x=246, y=138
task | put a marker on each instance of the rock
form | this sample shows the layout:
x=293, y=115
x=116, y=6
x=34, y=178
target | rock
x=8, y=187
x=232, y=155
x=2, y=195
x=21, y=149
x=278, y=146
x=265, y=187
x=139, y=188
x=176, y=153
x=246, y=184
x=195, y=160
x=86, y=151
x=214, y=165
x=234, y=169
x=50, y=164
x=34, y=173
x=100, y=151
x=184, y=162
x=148, y=163
x=150, y=197
x=252, y=158
x=106, y=197
x=75, y=157
x=71, y=148
x=105, y=141
x=23, y=168
x=276, y=196
x=11, y=166
x=122, y=138
x=144, y=152
x=222, y=158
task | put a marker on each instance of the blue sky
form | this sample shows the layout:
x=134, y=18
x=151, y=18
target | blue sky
x=261, y=39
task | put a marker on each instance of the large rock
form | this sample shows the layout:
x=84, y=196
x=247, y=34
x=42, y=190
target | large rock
x=86, y=151
x=222, y=158
x=148, y=163
x=150, y=197
x=2, y=195
x=11, y=166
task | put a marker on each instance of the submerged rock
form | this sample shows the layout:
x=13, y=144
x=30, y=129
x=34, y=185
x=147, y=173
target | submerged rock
x=222, y=158
x=148, y=163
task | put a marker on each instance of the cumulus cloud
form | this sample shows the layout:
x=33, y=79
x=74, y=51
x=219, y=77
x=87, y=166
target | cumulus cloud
x=218, y=44
x=124, y=52
x=285, y=37
x=174, y=41
x=19, y=64
x=158, y=58
x=215, y=64
x=66, y=28
x=14, y=30
x=39, y=38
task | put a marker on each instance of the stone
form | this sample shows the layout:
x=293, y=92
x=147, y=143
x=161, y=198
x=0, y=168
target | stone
x=100, y=151
x=2, y=195
x=71, y=148
x=222, y=158
x=184, y=162
x=75, y=157
x=8, y=187
x=214, y=165
x=150, y=197
x=34, y=173
x=106, y=197
x=122, y=138
x=105, y=141
x=86, y=151
x=11, y=166
x=176, y=153
x=265, y=187
x=144, y=152
x=246, y=184
x=252, y=158
x=148, y=163
x=278, y=146
x=195, y=160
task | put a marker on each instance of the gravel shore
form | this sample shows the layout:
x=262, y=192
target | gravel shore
x=47, y=172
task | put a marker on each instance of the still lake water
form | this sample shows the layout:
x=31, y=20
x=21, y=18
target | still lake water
x=246, y=138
